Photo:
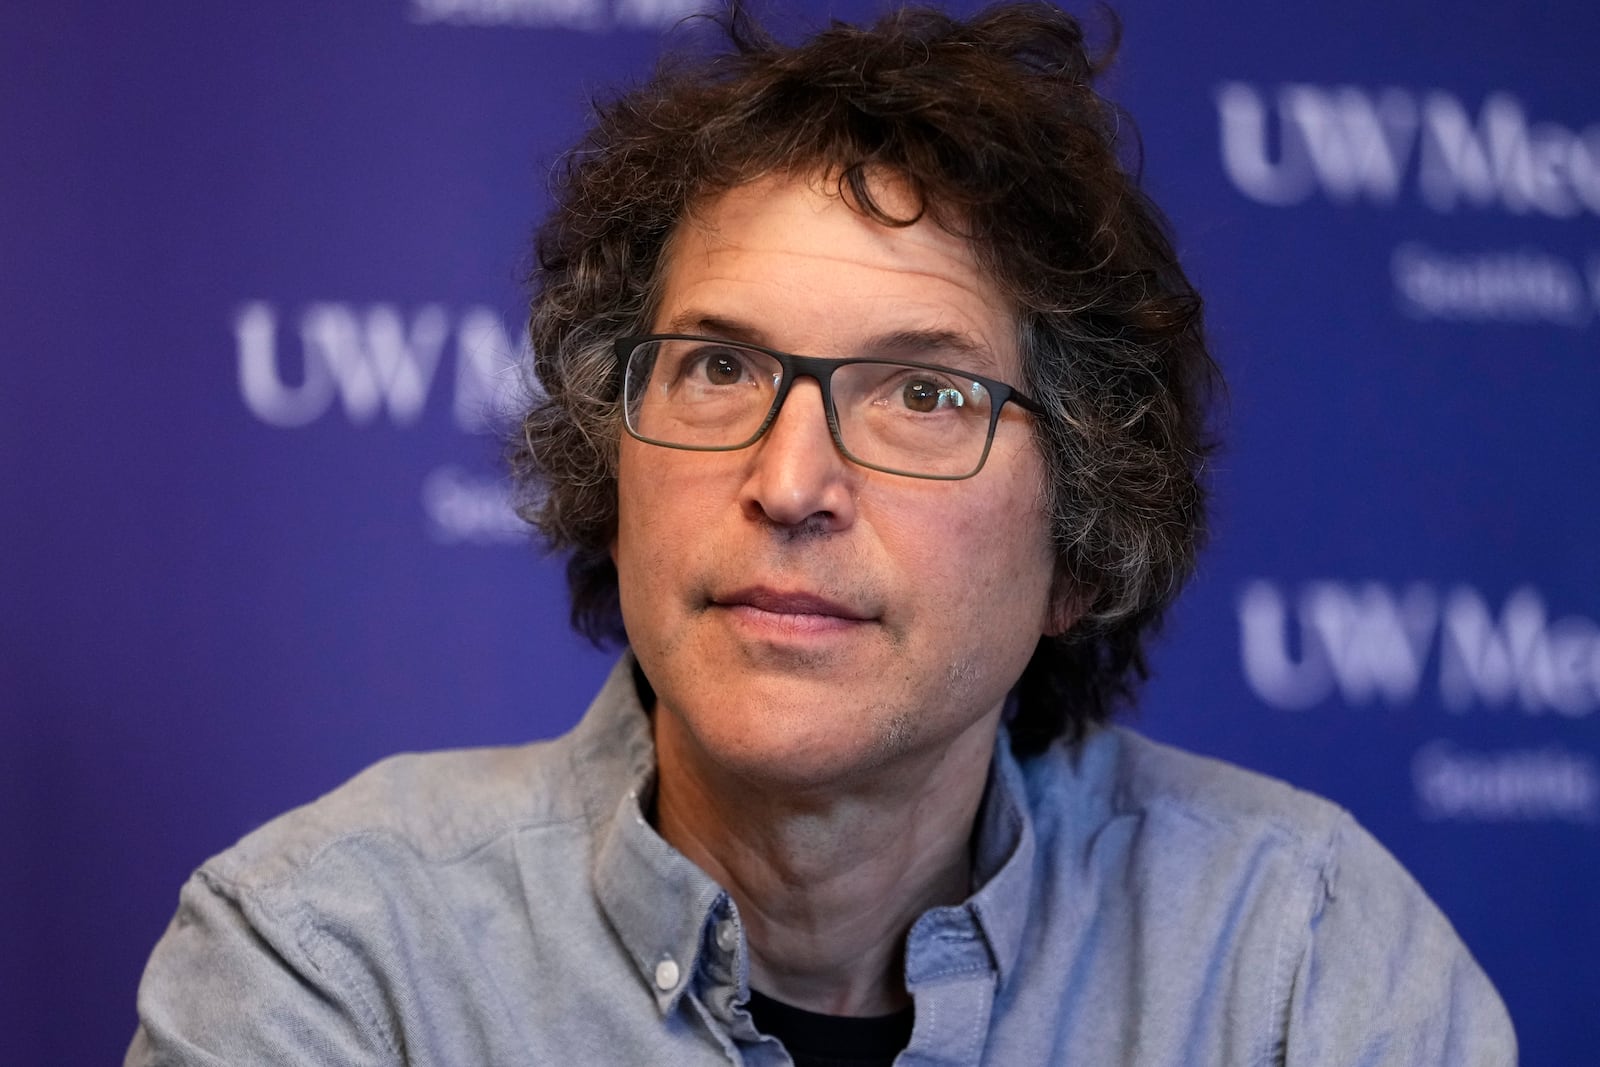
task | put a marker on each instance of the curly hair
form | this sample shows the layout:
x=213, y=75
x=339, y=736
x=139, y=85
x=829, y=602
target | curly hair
x=995, y=126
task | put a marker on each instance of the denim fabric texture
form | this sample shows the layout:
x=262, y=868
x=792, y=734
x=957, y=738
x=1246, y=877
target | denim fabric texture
x=1132, y=905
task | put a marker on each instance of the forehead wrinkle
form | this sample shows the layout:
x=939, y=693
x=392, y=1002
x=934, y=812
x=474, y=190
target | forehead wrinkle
x=918, y=345
x=788, y=245
x=711, y=237
x=704, y=217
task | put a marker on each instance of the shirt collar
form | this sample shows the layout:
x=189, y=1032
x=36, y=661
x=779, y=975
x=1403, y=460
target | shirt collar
x=663, y=907
x=1002, y=860
x=659, y=903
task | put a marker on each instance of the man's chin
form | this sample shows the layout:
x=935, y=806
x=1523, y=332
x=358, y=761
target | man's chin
x=799, y=743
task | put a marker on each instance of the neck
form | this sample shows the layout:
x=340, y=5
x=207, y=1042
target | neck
x=828, y=881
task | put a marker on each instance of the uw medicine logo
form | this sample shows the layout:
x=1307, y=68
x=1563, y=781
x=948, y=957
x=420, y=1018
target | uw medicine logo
x=592, y=15
x=377, y=362
x=1349, y=143
x=1366, y=643
x=381, y=364
x=1381, y=148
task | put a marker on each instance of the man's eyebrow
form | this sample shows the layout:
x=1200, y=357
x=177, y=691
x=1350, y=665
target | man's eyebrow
x=920, y=346
x=706, y=325
x=935, y=346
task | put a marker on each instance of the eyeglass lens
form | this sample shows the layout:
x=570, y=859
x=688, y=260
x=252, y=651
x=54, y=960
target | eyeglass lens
x=703, y=394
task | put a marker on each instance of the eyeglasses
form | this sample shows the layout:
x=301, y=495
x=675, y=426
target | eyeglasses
x=708, y=395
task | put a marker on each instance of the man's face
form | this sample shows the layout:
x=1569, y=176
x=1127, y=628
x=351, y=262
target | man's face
x=803, y=619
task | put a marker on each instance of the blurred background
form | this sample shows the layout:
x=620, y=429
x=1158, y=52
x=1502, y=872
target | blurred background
x=260, y=283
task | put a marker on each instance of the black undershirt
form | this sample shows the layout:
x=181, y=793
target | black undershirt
x=815, y=1040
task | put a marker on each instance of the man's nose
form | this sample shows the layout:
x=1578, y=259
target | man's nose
x=797, y=475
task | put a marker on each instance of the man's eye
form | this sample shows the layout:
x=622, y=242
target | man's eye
x=924, y=396
x=720, y=368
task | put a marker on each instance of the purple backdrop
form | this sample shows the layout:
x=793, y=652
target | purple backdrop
x=261, y=300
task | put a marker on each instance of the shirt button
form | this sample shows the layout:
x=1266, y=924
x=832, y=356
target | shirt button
x=727, y=935
x=666, y=974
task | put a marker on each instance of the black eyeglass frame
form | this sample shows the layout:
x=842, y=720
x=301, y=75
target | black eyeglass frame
x=820, y=370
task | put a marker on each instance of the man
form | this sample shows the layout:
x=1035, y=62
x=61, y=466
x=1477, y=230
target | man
x=874, y=425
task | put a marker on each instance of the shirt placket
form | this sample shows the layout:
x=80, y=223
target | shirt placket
x=951, y=975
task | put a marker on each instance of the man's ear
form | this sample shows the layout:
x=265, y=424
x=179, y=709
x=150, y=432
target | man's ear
x=1069, y=601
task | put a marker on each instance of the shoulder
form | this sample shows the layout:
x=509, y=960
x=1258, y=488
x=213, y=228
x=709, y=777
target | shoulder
x=394, y=905
x=323, y=913
x=1226, y=829
x=431, y=806
x=1118, y=776
x=1278, y=888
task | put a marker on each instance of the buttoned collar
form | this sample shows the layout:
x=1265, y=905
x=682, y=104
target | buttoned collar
x=1002, y=867
x=675, y=922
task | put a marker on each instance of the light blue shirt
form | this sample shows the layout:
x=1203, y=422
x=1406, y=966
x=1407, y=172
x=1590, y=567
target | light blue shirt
x=1132, y=905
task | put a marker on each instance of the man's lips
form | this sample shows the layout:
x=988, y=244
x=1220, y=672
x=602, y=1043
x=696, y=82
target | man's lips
x=789, y=602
